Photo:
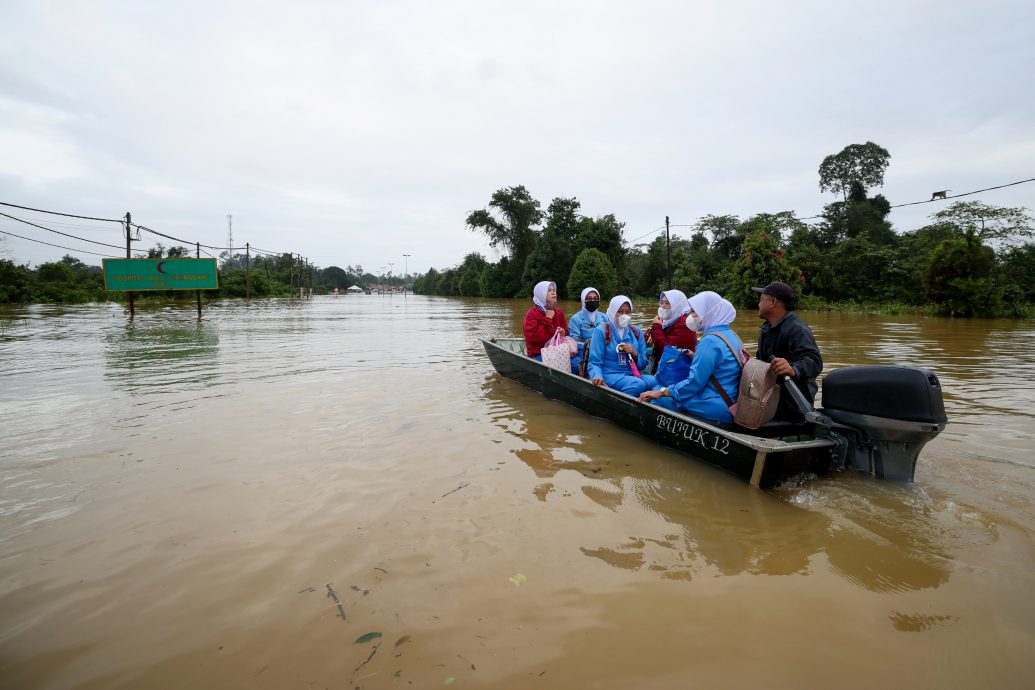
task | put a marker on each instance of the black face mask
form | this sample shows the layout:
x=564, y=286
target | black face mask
x=592, y=305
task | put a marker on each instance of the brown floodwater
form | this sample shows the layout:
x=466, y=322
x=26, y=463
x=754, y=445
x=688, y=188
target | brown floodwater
x=179, y=499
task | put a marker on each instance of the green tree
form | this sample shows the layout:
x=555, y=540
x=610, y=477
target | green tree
x=959, y=277
x=550, y=260
x=695, y=266
x=470, y=273
x=16, y=283
x=603, y=233
x=554, y=252
x=55, y=272
x=764, y=259
x=727, y=239
x=427, y=283
x=991, y=224
x=593, y=268
x=858, y=216
x=810, y=252
x=510, y=224
x=654, y=276
x=856, y=163
x=495, y=279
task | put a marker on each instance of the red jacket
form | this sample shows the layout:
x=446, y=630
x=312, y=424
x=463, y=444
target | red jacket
x=538, y=329
x=677, y=334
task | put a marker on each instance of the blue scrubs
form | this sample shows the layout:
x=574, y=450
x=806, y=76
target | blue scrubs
x=580, y=327
x=696, y=394
x=606, y=363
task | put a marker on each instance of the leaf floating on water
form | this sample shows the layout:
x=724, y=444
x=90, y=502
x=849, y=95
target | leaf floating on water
x=519, y=579
x=362, y=639
x=402, y=640
x=449, y=681
x=397, y=673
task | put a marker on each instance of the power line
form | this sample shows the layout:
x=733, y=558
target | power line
x=104, y=244
x=50, y=244
x=81, y=239
x=162, y=234
x=646, y=234
x=956, y=196
x=911, y=203
x=55, y=213
x=950, y=196
x=267, y=251
x=659, y=230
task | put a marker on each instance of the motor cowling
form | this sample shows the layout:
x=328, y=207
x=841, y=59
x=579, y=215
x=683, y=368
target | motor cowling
x=892, y=410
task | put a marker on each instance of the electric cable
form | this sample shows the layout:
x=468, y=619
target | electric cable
x=50, y=244
x=67, y=215
x=81, y=239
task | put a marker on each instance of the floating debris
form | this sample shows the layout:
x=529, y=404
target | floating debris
x=337, y=602
x=456, y=489
x=367, y=637
x=518, y=579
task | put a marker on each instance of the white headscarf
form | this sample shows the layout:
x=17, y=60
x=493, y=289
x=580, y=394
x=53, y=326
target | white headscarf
x=592, y=314
x=712, y=309
x=612, y=311
x=539, y=293
x=677, y=306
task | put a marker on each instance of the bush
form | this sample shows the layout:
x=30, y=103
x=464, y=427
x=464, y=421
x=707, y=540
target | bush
x=593, y=268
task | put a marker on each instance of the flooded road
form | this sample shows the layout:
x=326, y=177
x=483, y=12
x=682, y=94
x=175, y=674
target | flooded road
x=342, y=493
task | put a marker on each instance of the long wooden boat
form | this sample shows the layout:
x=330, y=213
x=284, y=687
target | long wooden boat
x=829, y=439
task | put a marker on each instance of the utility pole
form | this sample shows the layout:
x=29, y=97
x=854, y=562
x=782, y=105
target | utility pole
x=406, y=272
x=197, y=249
x=668, y=253
x=247, y=270
x=129, y=229
x=230, y=239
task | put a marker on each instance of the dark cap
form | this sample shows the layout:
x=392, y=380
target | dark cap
x=781, y=291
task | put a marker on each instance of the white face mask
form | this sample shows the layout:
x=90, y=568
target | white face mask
x=623, y=320
x=662, y=312
x=694, y=322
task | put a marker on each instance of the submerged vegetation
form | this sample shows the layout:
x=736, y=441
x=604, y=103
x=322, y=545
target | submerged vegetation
x=972, y=259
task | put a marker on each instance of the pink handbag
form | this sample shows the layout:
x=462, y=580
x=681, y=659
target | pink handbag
x=557, y=352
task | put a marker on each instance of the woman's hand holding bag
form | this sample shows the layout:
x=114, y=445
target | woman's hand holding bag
x=557, y=352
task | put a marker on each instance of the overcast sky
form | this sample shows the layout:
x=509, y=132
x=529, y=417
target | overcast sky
x=357, y=132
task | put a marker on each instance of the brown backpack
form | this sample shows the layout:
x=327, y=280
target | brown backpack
x=759, y=393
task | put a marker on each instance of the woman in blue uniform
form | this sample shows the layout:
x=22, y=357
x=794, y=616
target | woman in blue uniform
x=697, y=393
x=582, y=323
x=614, y=343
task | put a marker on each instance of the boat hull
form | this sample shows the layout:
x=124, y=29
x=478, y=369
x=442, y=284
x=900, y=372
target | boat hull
x=759, y=461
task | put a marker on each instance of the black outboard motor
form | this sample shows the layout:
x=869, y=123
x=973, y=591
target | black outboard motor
x=893, y=411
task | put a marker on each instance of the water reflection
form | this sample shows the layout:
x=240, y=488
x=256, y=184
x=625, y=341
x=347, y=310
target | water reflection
x=716, y=524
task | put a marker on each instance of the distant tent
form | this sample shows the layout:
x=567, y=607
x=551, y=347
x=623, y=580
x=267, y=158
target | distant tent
x=355, y=288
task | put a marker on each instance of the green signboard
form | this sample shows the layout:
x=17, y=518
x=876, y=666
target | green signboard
x=160, y=274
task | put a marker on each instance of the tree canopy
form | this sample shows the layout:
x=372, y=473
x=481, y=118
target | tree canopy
x=861, y=164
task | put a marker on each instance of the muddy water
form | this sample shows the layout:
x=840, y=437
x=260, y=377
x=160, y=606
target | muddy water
x=178, y=499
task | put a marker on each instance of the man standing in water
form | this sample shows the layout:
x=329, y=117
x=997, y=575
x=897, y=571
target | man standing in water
x=788, y=341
